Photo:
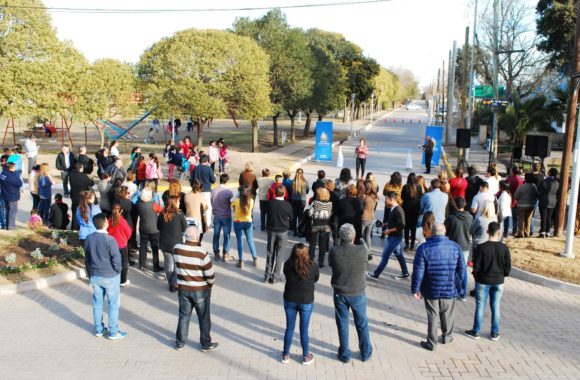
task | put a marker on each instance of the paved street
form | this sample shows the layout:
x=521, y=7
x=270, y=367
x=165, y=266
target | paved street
x=48, y=334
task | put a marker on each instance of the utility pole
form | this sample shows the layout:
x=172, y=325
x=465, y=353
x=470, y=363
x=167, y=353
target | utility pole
x=352, y=115
x=438, y=102
x=442, y=105
x=471, y=77
x=492, y=148
x=451, y=92
x=570, y=130
x=463, y=90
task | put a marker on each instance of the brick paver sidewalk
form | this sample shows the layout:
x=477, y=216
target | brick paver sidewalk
x=48, y=334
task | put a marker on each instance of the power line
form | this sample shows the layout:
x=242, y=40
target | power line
x=189, y=10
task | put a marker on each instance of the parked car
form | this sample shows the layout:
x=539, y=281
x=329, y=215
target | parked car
x=413, y=107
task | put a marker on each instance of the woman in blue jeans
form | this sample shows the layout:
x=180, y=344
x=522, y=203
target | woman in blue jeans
x=242, y=207
x=301, y=275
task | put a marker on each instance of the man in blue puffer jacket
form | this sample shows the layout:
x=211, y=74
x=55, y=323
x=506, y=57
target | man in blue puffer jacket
x=438, y=270
x=10, y=185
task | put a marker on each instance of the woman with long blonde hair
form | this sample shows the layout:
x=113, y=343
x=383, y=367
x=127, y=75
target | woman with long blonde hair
x=301, y=274
x=243, y=224
x=299, y=190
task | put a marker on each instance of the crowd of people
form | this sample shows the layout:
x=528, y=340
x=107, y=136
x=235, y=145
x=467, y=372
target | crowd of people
x=121, y=217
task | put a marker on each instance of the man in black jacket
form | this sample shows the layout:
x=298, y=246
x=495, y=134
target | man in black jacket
x=473, y=184
x=88, y=163
x=65, y=162
x=394, y=231
x=79, y=181
x=457, y=226
x=278, y=222
x=491, y=264
x=428, y=148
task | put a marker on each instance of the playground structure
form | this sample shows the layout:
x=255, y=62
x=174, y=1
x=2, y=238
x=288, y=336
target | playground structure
x=114, y=131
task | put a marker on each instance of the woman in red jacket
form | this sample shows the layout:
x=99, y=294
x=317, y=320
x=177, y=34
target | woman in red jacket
x=120, y=230
x=141, y=172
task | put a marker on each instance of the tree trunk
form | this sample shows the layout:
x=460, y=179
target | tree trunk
x=275, y=127
x=101, y=133
x=345, y=109
x=233, y=116
x=254, y=136
x=292, y=130
x=308, y=122
x=86, y=134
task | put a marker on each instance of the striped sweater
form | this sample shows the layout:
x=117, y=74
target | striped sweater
x=193, y=267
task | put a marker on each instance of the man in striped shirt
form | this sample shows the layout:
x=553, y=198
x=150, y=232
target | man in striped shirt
x=195, y=278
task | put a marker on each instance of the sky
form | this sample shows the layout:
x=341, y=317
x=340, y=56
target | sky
x=411, y=34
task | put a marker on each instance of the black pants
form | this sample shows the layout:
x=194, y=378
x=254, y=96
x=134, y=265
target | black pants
x=125, y=256
x=35, y=201
x=318, y=235
x=410, y=229
x=263, y=212
x=546, y=219
x=428, y=158
x=189, y=300
x=360, y=166
x=144, y=239
x=297, y=210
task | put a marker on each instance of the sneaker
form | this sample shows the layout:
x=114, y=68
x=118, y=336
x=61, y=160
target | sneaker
x=343, y=359
x=119, y=335
x=494, y=337
x=100, y=334
x=401, y=277
x=217, y=256
x=177, y=347
x=307, y=360
x=128, y=282
x=426, y=345
x=212, y=347
x=158, y=269
x=227, y=258
x=372, y=275
x=472, y=334
x=256, y=262
x=285, y=359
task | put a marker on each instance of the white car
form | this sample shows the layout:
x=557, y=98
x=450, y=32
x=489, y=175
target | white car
x=413, y=107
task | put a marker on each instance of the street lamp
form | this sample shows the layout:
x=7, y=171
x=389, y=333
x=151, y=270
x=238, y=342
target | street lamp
x=372, y=106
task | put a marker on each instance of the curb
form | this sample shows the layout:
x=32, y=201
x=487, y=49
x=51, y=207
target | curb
x=537, y=279
x=42, y=283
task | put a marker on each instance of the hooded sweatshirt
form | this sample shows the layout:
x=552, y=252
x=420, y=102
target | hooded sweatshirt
x=457, y=226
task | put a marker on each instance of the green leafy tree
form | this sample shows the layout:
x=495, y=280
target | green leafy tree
x=28, y=51
x=291, y=61
x=556, y=26
x=524, y=116
x=205, y=74
x=386, y=88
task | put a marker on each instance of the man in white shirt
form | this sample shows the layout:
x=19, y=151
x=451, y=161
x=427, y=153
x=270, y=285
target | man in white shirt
x=31, y=151
x=479, y=201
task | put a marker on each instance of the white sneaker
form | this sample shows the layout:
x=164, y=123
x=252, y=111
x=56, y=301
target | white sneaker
x=128, y=282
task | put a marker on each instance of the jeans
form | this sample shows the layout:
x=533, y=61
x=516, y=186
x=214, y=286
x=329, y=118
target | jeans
x=222, y=166
x=292, y=309
x=481, y=293
x=276, y=246
x=465, y=281
x=110, y=287
x=169, y=265
x=144, y=239
x=64, y=175
x=367, y=232
x=507, y=221
x=444, y=308
x=218, y=224
x=11, y=209
x=2, y=214
x=319, y=235
x=360, y=166
x=393, y=244
x=358, y=304
x=263, y=214
x=247, y=228
x=189, y=300
x=43, y=209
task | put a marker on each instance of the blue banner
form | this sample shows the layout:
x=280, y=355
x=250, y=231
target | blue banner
x=436, y=134
x=323, y=148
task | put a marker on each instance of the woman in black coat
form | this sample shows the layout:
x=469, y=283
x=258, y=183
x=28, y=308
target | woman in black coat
x=350, y=210
x=547, y=199
x=171, y=224
x=411, y=196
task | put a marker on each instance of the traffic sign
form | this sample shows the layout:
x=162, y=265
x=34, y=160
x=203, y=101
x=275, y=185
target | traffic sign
x=487, y=91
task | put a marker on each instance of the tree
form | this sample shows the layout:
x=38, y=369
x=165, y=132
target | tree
x=523, y=116
x=521, y=65
x=28, y=51
x=386, y=88
x=204, y=74
x=408, y=85
x=106, y=89
x=555, y=25
x=290, y=71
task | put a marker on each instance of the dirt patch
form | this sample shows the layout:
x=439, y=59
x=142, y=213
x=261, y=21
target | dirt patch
x=541, y=256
